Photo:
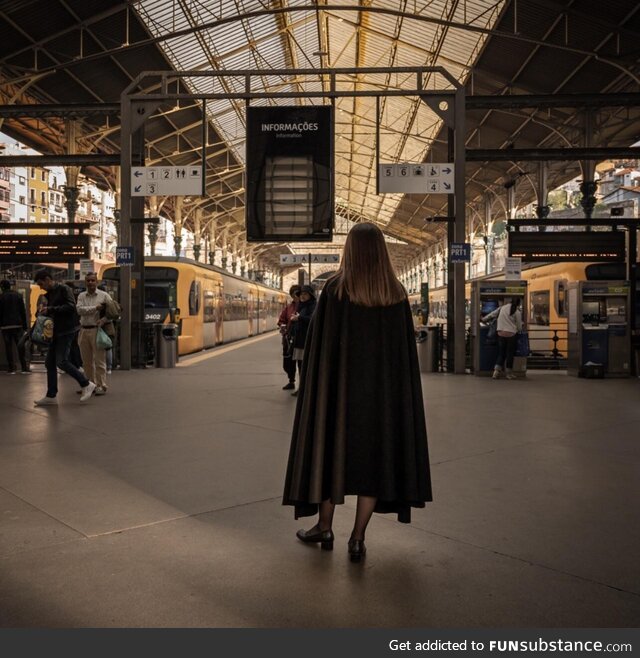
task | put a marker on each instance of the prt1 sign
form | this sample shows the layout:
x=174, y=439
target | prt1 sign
x=460, y=252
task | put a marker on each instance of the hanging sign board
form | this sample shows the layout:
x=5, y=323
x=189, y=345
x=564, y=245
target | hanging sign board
x=419, y=178
x=298, y=259
x=43, y=248
x=166, y=181
x=289, y=181
x=559, y=246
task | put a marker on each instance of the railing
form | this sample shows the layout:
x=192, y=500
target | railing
x=548, y=345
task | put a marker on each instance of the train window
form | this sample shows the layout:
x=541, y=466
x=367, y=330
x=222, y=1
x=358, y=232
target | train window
x=228, y=307
x=539, y=308
x=560, y=291
x=159, y=294
x=194, y=298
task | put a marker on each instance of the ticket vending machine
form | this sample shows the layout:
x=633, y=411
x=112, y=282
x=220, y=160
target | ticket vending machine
x=599, y=333
x=486, y=296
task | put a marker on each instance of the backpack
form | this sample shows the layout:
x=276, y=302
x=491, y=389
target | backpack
x=112, y=310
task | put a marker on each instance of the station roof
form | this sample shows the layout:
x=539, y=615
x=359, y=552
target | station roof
x=82, y=51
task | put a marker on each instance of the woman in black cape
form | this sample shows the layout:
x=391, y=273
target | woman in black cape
x=359, y=427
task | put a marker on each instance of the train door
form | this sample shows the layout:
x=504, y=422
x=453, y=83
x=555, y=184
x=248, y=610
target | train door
x=252, y=302
x=219, y=313
x=209, y=315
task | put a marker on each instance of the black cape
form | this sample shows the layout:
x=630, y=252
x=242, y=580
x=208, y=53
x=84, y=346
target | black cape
x=359, y=427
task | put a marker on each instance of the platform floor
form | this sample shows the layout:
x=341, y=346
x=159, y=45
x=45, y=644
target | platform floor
x=159, y=505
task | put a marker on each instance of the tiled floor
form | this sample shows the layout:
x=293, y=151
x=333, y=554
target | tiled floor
x=159, y=505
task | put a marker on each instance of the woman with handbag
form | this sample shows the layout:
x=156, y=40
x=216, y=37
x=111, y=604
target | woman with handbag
x=359, y=427
x=508, y=326
x=284, y=324
x=300, y=321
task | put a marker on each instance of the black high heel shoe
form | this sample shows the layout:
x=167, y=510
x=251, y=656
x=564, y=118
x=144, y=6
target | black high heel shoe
x=357, y=549
x=315, y=535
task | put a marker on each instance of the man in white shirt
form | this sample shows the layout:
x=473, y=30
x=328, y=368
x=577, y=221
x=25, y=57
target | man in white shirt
x=90, y=306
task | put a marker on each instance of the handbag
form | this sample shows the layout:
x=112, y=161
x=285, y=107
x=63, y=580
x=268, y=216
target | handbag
x=42, y=331
x=103, y=342
x=522, y=344
x=493, y=328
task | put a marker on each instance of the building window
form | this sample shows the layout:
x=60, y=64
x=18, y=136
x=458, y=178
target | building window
x=43, y=175
x=33, y=172
x=22, y=201
x=32, y=195
x=43, y=199
x=22, y=180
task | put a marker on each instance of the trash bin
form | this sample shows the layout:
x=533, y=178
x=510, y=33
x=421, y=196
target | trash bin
x=427, y=345
x=166, y=345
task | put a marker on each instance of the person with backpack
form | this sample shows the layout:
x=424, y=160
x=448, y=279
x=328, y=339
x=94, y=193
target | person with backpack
x=61, y=308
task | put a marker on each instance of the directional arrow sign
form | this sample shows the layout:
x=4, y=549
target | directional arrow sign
x=421, y=178
x=167, y=181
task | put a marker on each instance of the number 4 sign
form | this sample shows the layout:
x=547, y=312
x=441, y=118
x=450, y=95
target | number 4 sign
x=421, y=178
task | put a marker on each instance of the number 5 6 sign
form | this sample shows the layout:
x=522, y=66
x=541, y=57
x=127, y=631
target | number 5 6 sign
x=421, y=178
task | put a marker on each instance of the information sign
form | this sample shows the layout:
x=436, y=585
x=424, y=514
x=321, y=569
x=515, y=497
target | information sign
x=298, y=259
x=86, y=265
x=43, y=248
x=513, y=268
x=421, y=178
x=460, y=252
x=579, y=246
x=166, y=181
x=124, y=255
x=290, y=174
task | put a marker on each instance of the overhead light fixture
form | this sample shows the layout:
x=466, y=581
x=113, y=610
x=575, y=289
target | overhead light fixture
x=320, y=53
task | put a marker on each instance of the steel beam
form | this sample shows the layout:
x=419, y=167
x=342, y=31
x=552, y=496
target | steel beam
x=66, y=160
x=541, y=154
x=68, y=110
x=546, y=101
x=460, y=231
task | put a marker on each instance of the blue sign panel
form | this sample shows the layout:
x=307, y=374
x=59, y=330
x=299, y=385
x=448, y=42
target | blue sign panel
x=124, y=255
x=460, y=252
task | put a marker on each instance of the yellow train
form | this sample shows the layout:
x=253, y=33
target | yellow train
x=211, y=305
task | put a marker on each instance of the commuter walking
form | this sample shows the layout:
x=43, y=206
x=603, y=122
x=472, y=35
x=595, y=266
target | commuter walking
x=359, y=427
x=92, y=304
x=13, y=323
x=61, y=307
x=509, y=325
x=75, y=355
x=284, y=324
x=300, y=321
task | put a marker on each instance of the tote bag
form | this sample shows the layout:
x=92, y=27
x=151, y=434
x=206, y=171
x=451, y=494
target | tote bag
x=103, y=342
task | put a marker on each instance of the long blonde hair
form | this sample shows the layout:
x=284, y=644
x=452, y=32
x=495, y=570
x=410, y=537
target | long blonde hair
x=366, y=275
